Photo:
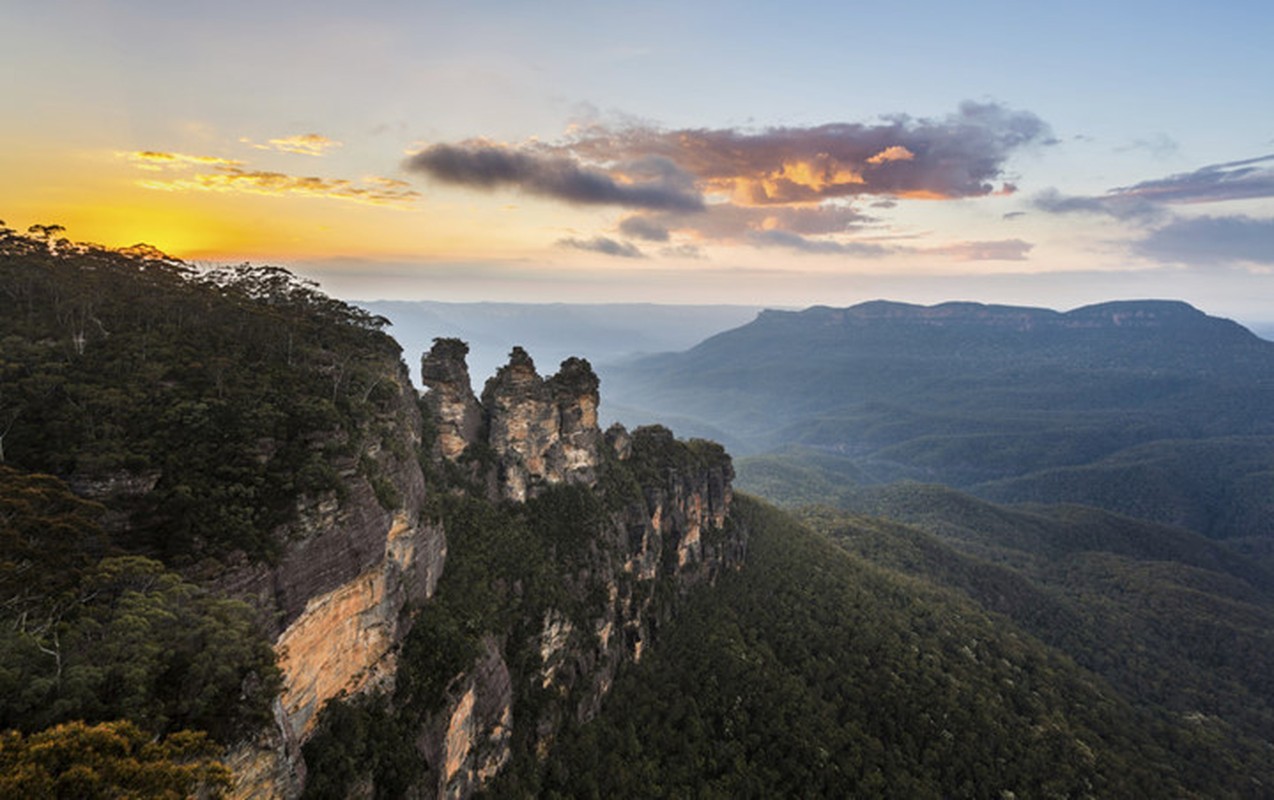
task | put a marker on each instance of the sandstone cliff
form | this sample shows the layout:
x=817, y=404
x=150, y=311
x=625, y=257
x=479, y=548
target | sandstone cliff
x=654, y=522
x=335, y=602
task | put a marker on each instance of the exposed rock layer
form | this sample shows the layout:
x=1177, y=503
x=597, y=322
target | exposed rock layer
x=336, y=599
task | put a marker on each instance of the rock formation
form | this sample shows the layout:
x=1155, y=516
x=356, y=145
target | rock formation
x=456, y=411
x=540, y=432
x=336, y=601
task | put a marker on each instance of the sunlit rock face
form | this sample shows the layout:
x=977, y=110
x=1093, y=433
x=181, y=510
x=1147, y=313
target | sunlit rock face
x=334, y=600
x=469, y=740
x=537, y=431
x=450, y=396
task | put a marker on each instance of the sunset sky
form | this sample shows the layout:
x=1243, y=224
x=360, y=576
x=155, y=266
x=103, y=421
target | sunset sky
x=689, y=152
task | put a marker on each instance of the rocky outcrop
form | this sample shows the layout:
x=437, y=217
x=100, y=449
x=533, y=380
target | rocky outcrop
x=456, y=412
x=336, y=601
x=672, y=533
x=540, y=432
x=470, y=739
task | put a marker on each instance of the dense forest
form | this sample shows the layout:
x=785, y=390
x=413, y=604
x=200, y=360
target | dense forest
x=194, y=406
x=817, y=673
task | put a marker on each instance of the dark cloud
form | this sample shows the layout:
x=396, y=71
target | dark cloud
x=643, y=227
x=1211, y=241
x=790, y=187
x=794, y=241
x=1014, y=214
x=1123, y=207
x=488, y=166
x=727, y=222
x=1215, y=183
x=603, y=245
x=1234, y=180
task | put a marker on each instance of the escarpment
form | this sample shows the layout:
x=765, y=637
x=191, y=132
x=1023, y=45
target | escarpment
x=380, y=593
x=565, y=550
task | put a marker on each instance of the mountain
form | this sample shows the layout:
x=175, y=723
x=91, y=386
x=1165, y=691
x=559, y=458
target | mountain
x=1013, y=403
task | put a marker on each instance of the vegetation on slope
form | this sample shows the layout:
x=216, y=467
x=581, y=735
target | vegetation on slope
x=1172, y=620
x=201, y=403
x=197, y=406
x=509, y=567
x=815, y=673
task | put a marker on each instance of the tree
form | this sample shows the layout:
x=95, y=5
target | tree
x=109, y=760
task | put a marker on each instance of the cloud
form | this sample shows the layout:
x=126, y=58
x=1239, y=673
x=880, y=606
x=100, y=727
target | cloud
x=603, y=245
x=155, y=161
x=730, y=223
x=1014, y=214
x=643, y=227
x=1122, y=207
x=483, y=165
x=1248, y=179
x=895, y=153
x=1234, y=180
x=683, y=251
x=960, y=155
x=305, y=144
x=793, y=187
x=1211, y=241
x=233, y=176
x=998, y=250
x=1159, y=146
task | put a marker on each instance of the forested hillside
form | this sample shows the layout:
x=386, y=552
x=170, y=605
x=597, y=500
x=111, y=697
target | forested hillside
x=235, y=555
x=822, y=670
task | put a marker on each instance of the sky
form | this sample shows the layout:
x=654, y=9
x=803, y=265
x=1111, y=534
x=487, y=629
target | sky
x=784, y=154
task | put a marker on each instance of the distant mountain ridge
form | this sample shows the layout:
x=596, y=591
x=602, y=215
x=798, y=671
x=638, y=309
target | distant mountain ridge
x=1007, y=397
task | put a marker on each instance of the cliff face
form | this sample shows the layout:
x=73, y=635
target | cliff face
x=335, y=601
x=338, y=598
x=666, y=529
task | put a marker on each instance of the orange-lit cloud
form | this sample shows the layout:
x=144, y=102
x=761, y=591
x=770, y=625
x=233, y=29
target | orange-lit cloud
x=789, y=187
x=892, y=153
x=154, y=161
x=305, y=144
x=233, y=176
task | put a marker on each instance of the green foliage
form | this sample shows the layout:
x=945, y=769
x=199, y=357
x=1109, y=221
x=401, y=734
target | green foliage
x=215, y=392
x=137, y=642
x=814, y=673
x=48, y=537
x=355, y=738
x=1174, y=621
x=109, y=760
